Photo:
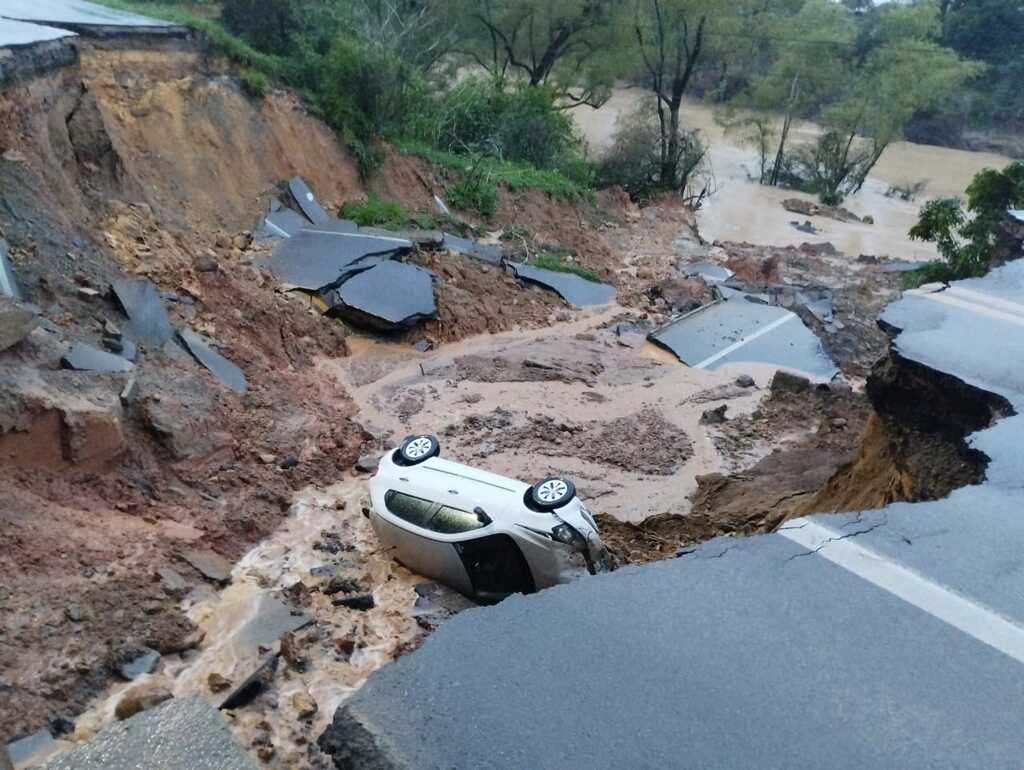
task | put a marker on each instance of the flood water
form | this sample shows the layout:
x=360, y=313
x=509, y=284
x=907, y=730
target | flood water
x=743, y=210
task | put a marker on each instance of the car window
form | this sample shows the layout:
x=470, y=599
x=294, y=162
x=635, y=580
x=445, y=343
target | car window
x=414, y=510
x=451, y=521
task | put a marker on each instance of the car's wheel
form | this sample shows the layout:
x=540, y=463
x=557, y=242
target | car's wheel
x=552, y=492
x=416, y=449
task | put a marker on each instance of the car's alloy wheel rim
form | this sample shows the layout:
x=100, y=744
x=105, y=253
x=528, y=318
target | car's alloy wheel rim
x=418, y=448
x=552, y=490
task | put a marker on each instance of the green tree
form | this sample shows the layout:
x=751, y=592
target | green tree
x=268, y=25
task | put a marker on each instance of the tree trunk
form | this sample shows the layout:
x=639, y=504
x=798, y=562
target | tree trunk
x=794, y=92
x=670, y=156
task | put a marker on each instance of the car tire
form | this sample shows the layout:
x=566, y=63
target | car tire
x=551, y=493
x=417, y=449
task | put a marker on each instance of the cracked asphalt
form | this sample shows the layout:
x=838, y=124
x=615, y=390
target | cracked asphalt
x=888, y=638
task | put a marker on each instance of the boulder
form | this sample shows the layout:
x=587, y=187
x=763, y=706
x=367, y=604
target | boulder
x=141, y=697
x=16, y=321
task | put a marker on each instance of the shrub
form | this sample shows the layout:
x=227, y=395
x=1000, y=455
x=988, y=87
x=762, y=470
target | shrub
x=265, y=24
x=478, y=195
x=255, y=83
x=906, y=191
x=375, y=212
x=555, y=262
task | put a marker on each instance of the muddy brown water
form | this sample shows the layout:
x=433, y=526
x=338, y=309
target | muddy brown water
x=742, y=210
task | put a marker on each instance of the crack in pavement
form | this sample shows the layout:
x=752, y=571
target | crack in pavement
x=846, y=536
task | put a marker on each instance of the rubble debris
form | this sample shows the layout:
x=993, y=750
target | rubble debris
x=812, y=209
x=184, y=734
x=258, y=681
x=210, y=565
x=367, y=463
x=340, y=584
x=33, y=747
x=714, y=416
x=735, y=329
x=437, y=366
x=141, y=697
x=573, y=289
x=217, y=682
x=362, y=603
x=786, y=382
x=390, y=296
x=491, y=254
x=316, y=261
x=305, y=707
x=172, y=583
x=307, y=201
x=16, y=322
x=8, y=282
x=711, y=272
x=142, y=664
x=85, y=358
x=270, y=620
x=745, y=381
x=123, y=347
x=220, y=367
x=148, y=322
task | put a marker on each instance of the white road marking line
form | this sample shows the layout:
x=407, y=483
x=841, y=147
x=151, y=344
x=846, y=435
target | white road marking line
x=985, y=299
x=946, y=299
x=750, y=338
x=5, y=285
x=975, y=620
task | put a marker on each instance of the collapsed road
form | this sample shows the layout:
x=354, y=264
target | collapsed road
x=892, y=637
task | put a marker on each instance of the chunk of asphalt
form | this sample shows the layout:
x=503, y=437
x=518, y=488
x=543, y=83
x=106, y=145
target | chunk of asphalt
x=711, y=272
x=220, y=367
x=282, y=223
x=255, y=684
x=484, y=252
x=16, y=322
x=148, y=322
x=321, y=260
x=86, y=358
x=573, y=289
x=361, y=603
x=390, y=296
x=181, y=734
x=210, y=565
x=336, y=226
x=307, y=201
x=270, y=619
x=30, y=749
x=8, y=282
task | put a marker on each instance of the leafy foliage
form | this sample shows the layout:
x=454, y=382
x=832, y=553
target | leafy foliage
x=556, y=263
x=376, y=212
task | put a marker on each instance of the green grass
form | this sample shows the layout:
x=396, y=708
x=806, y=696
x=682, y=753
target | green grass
x=516, y=176
x=375, y=212
x=221, y=41
x=554, y=262
x=930, y=272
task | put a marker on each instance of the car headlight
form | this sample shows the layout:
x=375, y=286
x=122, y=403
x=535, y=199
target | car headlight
x=565, y=533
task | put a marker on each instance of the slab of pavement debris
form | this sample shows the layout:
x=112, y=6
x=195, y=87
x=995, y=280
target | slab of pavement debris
x=30, y=749
x=390, y=296
x=317, y=260
x=573, y=289
x=8, y=282
x=220, y=367
x=307, y=201
x=148, y=321
x=86, y=358
x=268, y=622
x=280, y=223
x=737, y=330
x=332, y=225
x=482, y=251
x=210, y=565
x=76, y=13
x=711, y=272
x=16, y=322
x=181, y=734
x=18, y=33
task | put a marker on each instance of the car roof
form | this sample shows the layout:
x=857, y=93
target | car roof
x=463, y=486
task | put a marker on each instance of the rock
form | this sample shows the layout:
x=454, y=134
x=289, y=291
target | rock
x=140, y=698
x=291, y=653
x=59, y=727
x=172, y=583
x=305, y=707
x=745, y=381
x=784, y=382
x=28, y=750
x=266, y=458
x=867, y=220
x=423, y=345
x=362, y=603
x=339, y=584
x=714, y=416
x=438, y=367
x=253, y=685
x=86, y=358
x=205, y=264
x=288, y=463
x=140, y=664
x=217, y=683
x=367, y=463
x=840, y=422
x=210, y=565
x=16, y=321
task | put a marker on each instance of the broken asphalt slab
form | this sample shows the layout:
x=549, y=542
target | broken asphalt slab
x=573, y=289
x=307, y=201
x=18, y=33
x=79, y=15
x=488, y=253
x=711, y=272
x=317, y=260
x=900, y=629
x=390, y=296
x=282, y=223
x=738, y=330
x=181, y=734
x=218, y=365
x=86, y=358
x=210, y=565
x=148, y=321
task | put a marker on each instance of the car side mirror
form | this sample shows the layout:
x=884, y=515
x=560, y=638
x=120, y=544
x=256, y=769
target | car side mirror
x=481, y=516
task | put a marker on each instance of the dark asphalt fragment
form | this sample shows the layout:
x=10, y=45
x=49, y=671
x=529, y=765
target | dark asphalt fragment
x=148, y=322
x=317, y=261
x=361, y=603
x=255, y=684
x=220, y=367
x=86, y=358
x=484, y=252
x=391, y=296
x=282, y=223
x=573, y=289
x=307, y=201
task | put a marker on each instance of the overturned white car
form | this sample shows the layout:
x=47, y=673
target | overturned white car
x=484, y=535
